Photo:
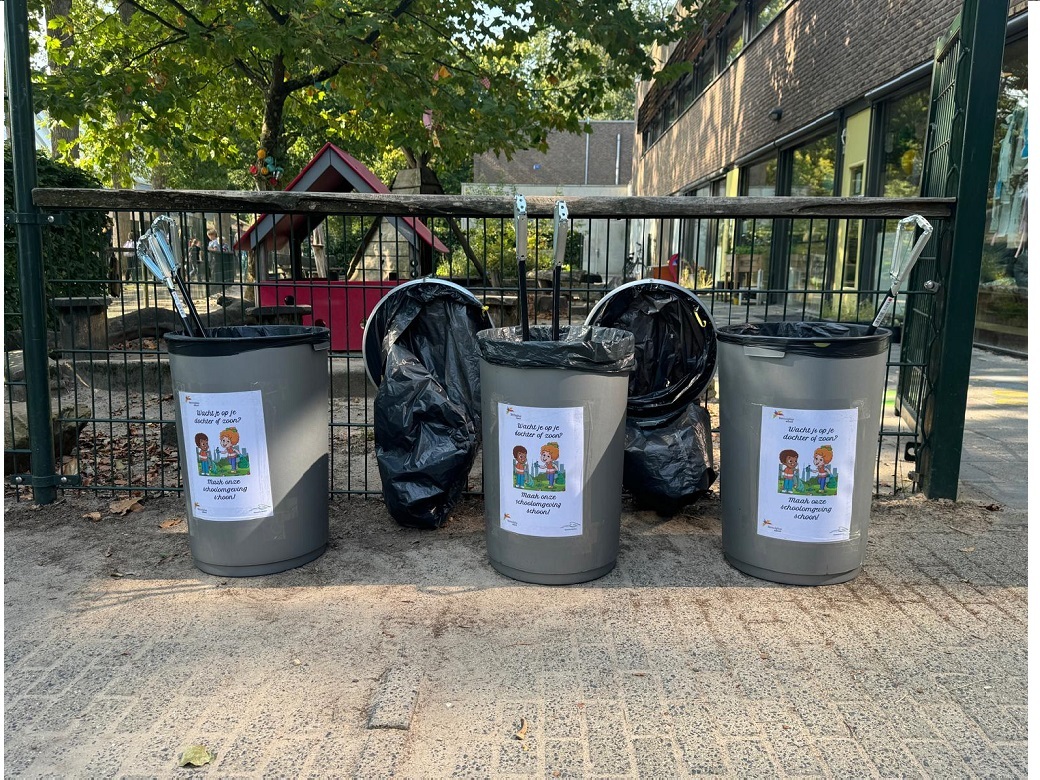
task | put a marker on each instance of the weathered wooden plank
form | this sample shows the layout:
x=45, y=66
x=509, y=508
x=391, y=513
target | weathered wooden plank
x=488, y=206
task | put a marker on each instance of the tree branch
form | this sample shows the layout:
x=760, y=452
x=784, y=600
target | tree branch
x=151, y=13
x=306, y=81
x=255, y=76
x=275, y=14
x=180, y=7
x=182, y=36
x=401, y=8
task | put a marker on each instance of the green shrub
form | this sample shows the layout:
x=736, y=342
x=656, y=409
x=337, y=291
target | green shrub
x=75, y=255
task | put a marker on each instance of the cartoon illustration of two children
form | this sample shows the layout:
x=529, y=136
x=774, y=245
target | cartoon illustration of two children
x=821, y=469
x=548, y=456
x=229, y=449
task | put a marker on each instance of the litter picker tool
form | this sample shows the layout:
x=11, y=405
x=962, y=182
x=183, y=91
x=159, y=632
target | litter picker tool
x=520, y=220
x=899, y=272
x=157, y=255
x=561, y=225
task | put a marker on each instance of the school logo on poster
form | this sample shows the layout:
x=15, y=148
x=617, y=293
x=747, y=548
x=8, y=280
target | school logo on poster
x=541, y=457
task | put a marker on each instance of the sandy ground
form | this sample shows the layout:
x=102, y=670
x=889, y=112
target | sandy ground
x=403, y=653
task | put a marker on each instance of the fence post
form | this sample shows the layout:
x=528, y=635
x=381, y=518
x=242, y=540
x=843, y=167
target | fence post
x=28, y=219
x=983, y=28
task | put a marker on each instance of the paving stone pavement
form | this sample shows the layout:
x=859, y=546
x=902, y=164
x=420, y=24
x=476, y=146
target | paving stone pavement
x=402, y=653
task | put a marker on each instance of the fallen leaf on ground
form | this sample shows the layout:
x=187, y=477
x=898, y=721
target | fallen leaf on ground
x=171, y=522
x=196, y=755
x=522, y=733
x=126, y=505
x=95, y=516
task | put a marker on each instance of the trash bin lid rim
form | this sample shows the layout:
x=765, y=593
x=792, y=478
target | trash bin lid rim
x=183, y=344
x=318, y=333
x=663, y=283
x=727, y=333
x=637, y=404
x=366, y=359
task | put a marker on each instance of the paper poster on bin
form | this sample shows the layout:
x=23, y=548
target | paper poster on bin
x=807, y=462
x=225, y=445
x=541, y=469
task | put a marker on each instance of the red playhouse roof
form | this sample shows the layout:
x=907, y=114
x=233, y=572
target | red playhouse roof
x=331, y=170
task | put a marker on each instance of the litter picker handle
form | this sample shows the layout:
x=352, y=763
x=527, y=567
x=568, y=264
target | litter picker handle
x=157, y=255
x=899, y=270
x=520, y=220
x=561, y=226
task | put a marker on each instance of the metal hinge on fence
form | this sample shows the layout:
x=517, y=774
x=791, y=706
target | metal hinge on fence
x=35, y=218
x=55, y=480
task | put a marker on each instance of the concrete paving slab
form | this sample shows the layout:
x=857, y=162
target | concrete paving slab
x=673, y=665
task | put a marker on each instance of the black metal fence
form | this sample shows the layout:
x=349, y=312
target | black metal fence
x=328, y=259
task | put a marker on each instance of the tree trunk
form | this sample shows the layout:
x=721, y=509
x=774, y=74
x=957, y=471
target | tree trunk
x=271, y=131
x=60, y=133
x=125, y=177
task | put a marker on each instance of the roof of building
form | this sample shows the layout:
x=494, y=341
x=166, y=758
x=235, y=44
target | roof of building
x=330, y=170
x=602, y=156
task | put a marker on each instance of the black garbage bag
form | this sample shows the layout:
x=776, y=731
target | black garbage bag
x=427, y=407
x=668, y=459
x=668, y=454
x=580, y=348
x=674, y=339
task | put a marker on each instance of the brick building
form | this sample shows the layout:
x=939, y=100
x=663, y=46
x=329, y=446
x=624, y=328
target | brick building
x=816, y=97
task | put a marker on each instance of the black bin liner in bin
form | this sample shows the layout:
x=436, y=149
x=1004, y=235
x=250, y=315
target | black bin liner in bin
x=580, y=348
x=668, y=452
x=815, y=339
x=420, y=347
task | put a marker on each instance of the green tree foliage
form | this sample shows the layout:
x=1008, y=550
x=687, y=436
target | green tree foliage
x=190, y=87
x=74, y=254
x=494, y=244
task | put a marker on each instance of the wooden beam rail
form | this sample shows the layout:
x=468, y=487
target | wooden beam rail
x=600, y=207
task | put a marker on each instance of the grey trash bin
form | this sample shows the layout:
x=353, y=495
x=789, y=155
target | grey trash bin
x=252, y=422
x=800, y=411
x=553, y=418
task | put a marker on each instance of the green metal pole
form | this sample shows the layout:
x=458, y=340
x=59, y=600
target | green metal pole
x=30, y=250
x=983, y=28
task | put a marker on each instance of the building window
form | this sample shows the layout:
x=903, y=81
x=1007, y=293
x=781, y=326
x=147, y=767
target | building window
x=853, y=231
x=686, y=93
x=765, y=11
x=897, y=150
x=705, y=69
x=856, y=185
x=1001, y=318
x=669, y=111
x=812, y=174
x=748, y=265
x=902, y=136
x=700, y=260
x=732, y=40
